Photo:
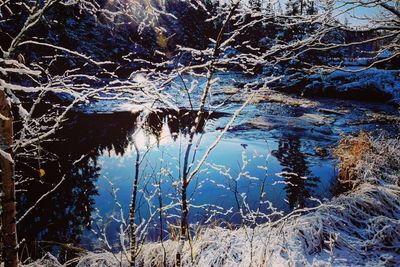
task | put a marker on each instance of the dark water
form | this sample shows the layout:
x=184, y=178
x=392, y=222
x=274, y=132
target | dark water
x=288, y=159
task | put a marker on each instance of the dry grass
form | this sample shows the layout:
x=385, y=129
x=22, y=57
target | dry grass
x=269, y=95
x=378, y=118
x=266, y=94
x=350, y=152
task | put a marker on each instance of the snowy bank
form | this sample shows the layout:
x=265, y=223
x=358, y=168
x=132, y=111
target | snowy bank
x=357, y=228
x=376, y=85
x=371, y=84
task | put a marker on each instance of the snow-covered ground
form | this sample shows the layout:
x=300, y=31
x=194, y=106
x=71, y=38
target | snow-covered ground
x=371, y=84
x=358, y=228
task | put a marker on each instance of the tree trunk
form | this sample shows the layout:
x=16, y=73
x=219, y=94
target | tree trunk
x=301, y=7
x=133, y=209
x=9, y=229
x=184, y=228
x=185, y=210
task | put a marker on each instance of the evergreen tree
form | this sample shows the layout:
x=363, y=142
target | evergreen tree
x=293, y=7
x=255, y=5
x=302, y=7
x=269, y=9
x=310, y=8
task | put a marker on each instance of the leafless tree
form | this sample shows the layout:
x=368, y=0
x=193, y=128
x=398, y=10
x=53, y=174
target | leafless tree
x=153, y=87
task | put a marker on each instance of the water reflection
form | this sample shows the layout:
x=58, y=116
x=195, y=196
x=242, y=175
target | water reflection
x=295, y=171
x=164, y=127
x=63, y=216
x=91, y=146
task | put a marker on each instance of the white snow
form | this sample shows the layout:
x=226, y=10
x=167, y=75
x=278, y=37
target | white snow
x=386, y=81
x=6, y=155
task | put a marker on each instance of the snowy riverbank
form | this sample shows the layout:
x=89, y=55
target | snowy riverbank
x=377, y=85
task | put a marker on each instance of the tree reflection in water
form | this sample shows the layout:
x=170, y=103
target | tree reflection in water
x=64, y=217
x=59, y=221
x=295, y=171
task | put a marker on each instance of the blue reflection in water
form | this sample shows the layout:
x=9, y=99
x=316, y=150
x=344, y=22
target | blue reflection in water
x=234, y=175
x=93, y=151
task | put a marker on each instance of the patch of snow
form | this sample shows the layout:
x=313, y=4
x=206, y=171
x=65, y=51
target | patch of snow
x=368, y=81
x=6, y=155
